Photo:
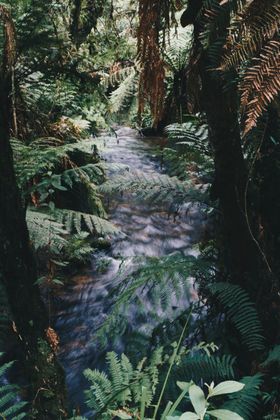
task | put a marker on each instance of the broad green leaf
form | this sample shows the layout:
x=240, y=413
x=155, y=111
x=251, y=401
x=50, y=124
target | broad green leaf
x=226, y=387
x=173, y=418
x=198, y=399
x=188, y=415
x=183, y=385
x=225, y=415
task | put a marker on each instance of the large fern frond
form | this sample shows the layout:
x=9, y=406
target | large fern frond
x=124, y=383
x=208, y=368
x=122, y=97
x=76, y=221
x=158, y=188
x=253, y=47
x=159, y=280
x=258, y=24
x=241, y=312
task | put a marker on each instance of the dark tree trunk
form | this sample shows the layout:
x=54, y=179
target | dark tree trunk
x=230, y=173
x=220, y=103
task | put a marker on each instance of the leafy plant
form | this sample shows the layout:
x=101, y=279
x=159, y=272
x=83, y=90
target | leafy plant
x=201, y=403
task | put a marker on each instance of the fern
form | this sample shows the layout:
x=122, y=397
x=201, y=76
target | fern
x=157, y=187
x=207, y=368
x=123, y=385
x=75, y=221
x=122, y=97
x=254, y=47
x=158, y=278
x=246, y=402
x=241, y=313
x=45, y=231
x=10, y=405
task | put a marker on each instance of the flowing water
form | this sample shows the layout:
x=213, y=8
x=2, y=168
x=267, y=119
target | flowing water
x=147, y=231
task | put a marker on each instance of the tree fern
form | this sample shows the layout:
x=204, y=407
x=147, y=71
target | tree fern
x=253, y=47
x=241, y=312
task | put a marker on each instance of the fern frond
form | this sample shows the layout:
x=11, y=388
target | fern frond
x=123, y=384
x=158, y=188
x=266, y=85
x=253, y=31
x=10, y=405
x=100, y=389
x=254, y=76
x=160, y=279
x=241, y=312
x=45, y=231
x=75, y=221
x=246, y=402
x=201, y=366
x=125, y=93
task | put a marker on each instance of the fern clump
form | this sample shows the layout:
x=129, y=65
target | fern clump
x=123, y=386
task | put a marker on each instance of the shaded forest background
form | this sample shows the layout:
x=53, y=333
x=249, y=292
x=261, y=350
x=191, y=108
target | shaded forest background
x=204, y=75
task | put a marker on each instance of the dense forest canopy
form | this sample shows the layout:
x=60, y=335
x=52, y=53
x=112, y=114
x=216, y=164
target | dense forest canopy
x=139, y=209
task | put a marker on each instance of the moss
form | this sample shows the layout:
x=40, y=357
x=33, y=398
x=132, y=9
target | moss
x=48, y=385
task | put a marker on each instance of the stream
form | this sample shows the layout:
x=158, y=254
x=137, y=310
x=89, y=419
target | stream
x=147, y=231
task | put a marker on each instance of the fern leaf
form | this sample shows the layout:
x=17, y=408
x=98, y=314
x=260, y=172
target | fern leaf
x=241, y=312
x=78, y=221
x=246, y=402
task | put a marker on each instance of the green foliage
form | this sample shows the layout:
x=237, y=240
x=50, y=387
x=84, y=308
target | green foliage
x=75, y=221
x=127, y=392
x=162, y=278
x=247, y=401
x=11, y=408
x=201, y=403
x=273, y=356
x=202, y=366
x=241, y=312
x=122, y=97
x=124, y=383
x=158, y=188
x=45, y=231
x=188, y=153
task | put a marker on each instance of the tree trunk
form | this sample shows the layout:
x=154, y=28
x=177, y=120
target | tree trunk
x=17, y=267
x=220, y=103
